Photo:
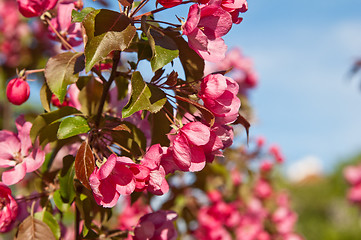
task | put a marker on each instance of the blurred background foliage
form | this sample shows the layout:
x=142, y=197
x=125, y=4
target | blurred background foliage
x=323, y=209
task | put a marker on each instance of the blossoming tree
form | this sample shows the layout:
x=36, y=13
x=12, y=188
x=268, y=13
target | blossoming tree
x=109, y=135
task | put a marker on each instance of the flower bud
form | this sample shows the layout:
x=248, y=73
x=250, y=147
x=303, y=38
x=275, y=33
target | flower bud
x=17, y=91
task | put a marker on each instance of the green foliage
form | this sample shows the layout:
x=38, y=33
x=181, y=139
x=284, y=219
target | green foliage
x=144, y=96
x=324, y=212
x=72, y=126
x=106, y=31
x=46, y=125
x=79, y=16
x=62, y=70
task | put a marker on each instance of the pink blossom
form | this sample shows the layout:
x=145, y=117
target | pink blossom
x=266, y=166
x=34, y=8
x=275, y=150
x=71, y=32
x=111, y=180
x=17, y=152
x=169, y=3
x=17, y=91
x=156, y=226
x=9, y=208
x=284, y=220
x=353, y=174
x=219, y=94
x=157, y=184
x=205, y=26
x=188, y=146
x=262, y=189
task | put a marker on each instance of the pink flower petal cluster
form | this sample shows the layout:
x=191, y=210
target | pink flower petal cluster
x=117, y=176
x=34, y=8
x=188, y=146
x=156, y=226
x=262, y=189
x=284, y=218
x=8, y=210
x=71, y=32
x=169, y=3
x=353, y=176
x=205, y=26
x=18, y=153
x=121, y=176
x=219, y=95
x=18, y=91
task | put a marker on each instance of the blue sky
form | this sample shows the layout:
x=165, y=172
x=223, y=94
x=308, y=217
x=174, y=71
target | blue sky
x=302, y=52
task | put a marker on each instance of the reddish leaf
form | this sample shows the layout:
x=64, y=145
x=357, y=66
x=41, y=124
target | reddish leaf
x=84, y=164
x=34, y=229
x=208, y=115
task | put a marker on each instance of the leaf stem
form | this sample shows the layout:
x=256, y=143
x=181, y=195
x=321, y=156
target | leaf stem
x=106, y=87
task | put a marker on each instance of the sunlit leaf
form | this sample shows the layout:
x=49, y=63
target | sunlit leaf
x=46, y=119
x=72, y=126
x=106, y=31
x=143, y=97
x=79, y=16
x=62, y=70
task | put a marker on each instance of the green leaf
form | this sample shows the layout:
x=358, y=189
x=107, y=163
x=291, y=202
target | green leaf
x=45, y=97
x=79, y=16
x=34, y=229
x=62, y=70
x=59, y=202
x=49, y=219
x=106, y=31
x=66, y=179
x=143, y=97
x=164, y=49
x=72, y=126
x=192, y=63
x=46, y=119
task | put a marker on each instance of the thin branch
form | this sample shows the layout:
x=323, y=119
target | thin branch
x=140, y=6
x=66, y=44
x=106, y=87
